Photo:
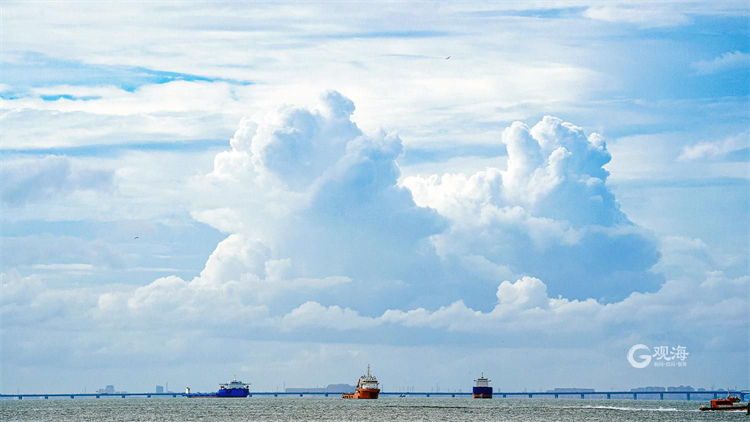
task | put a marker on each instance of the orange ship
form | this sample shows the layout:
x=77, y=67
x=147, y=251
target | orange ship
x=367, y=388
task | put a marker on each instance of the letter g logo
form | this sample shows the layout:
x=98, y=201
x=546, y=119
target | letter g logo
x=643, y=361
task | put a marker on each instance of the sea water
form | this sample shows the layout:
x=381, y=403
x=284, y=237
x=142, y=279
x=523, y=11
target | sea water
x=336, y=409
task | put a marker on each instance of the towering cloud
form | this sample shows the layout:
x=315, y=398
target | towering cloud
x=319, y=227
x=310, y=189
x=316, y=215
x=548, y=214
x=324, y=241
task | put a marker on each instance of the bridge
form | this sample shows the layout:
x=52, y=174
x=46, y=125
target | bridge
x=88, y=395
x=688, y=395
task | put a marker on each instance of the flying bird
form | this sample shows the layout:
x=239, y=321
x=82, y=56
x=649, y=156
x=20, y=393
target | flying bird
x=135, y=237
x=448, y=58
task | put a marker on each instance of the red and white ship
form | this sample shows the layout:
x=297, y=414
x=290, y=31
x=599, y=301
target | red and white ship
x=728, y=403
x=367, y=387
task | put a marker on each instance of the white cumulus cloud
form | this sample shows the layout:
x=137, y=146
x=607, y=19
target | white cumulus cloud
x=335, y=244
x=548, y=213
x=323, y=243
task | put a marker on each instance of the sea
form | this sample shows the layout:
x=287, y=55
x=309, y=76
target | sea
x=336, y=409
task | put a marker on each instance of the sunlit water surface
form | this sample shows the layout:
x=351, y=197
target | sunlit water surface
x=336, y=409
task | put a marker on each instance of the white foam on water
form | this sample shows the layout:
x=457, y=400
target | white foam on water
x=633, y=409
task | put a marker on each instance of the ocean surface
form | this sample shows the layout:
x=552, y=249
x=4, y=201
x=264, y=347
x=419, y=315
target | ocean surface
x=336, y=409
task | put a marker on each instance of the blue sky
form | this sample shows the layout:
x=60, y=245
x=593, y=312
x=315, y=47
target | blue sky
x=288, y=192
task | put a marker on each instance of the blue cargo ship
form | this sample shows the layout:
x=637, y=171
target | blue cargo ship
x=482, y=389
x=231, y=389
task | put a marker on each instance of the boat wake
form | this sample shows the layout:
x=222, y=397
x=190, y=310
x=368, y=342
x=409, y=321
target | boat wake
x=631, y=409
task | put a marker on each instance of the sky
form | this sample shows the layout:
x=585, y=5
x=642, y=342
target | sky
x=286, y=192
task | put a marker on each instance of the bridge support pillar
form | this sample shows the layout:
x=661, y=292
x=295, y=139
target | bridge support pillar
x=529, y=395
x=635, y=396
x=688, y=396
x=661, y=396
x=582, y=396
x=505, y=396
x=453, y=395
x=609, y=396
x=46, y=397
x=276, y=395
x=557, y=395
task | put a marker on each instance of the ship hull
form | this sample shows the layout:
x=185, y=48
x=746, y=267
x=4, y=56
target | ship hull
x=724, y=408
x=482, y=392
x=223, y=393
x=233, y=392
x=363, y=393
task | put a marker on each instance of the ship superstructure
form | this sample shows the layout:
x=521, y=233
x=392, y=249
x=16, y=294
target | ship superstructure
x=482, y=389
x=367, y=387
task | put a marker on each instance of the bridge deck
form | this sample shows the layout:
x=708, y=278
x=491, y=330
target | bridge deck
x=687, y=395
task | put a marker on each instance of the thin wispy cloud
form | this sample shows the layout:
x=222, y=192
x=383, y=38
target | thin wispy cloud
x=731, y=148
x=726, y=62
x=645, y=15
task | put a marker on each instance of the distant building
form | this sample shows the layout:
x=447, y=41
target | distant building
x=110, y=389
x=648, y=389
x=571, y=390
x=668, y=392
x=331, y=388
x=339, y=388
x=159, y=388
x=681, y=388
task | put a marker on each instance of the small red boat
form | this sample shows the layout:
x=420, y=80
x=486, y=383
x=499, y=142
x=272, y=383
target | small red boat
x=728, y=403
x=367, y=388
